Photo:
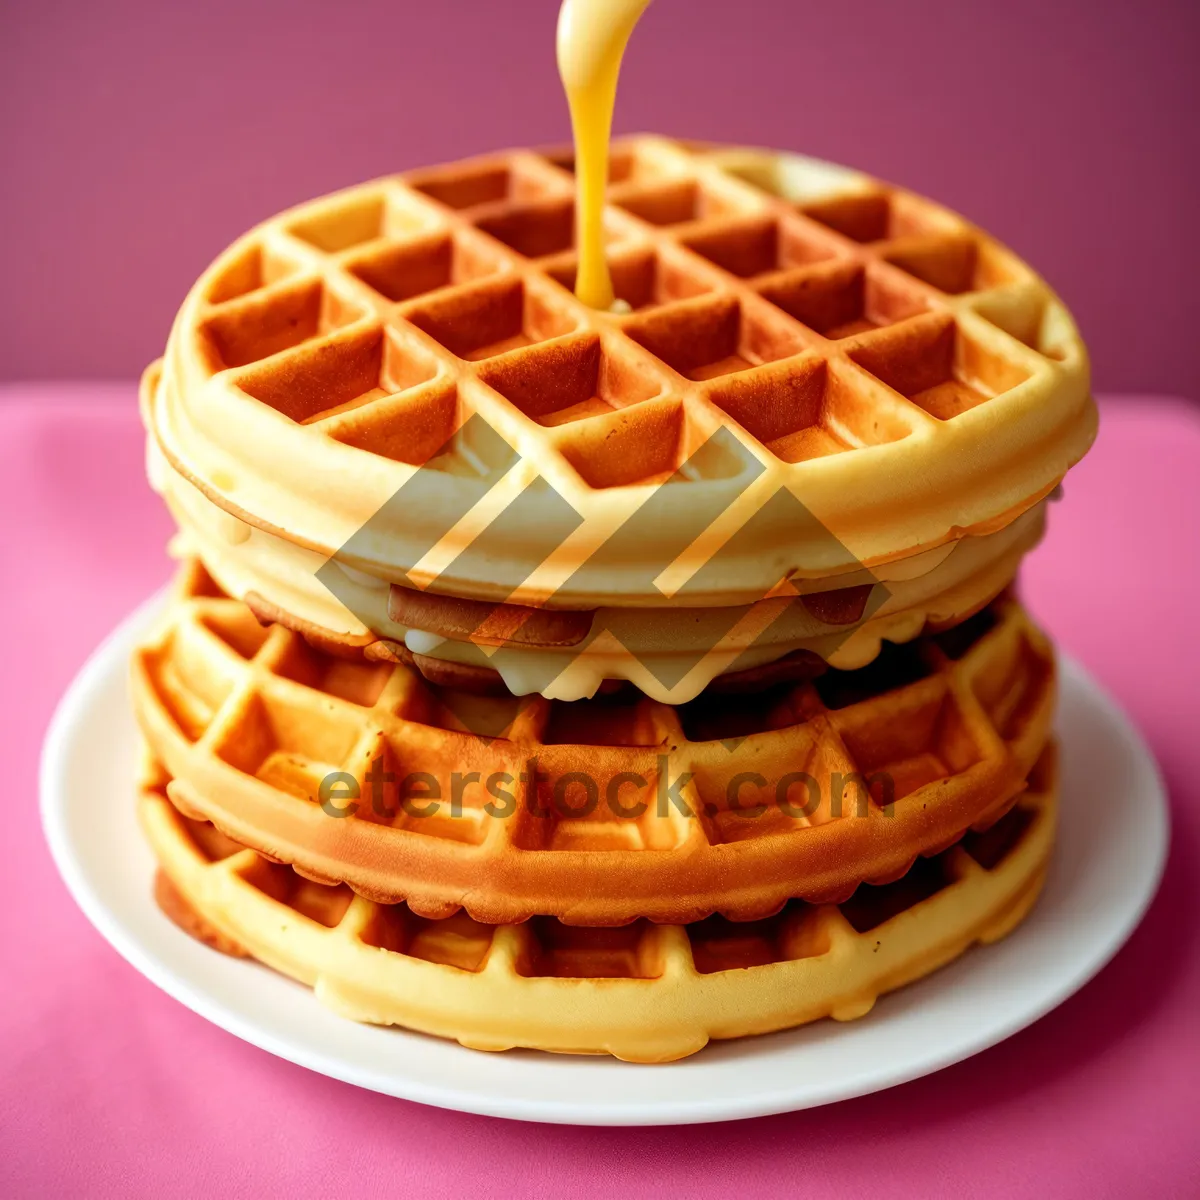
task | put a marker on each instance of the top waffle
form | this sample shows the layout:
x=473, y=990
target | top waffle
x=792, y=325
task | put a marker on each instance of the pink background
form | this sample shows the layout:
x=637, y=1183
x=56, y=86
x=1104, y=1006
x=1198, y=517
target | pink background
x=110, y=1088
x=139, y=138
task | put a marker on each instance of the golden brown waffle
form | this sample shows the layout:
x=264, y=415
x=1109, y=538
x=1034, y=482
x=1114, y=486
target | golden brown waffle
x=643, y=992
x=905, y=377
x=598, y=812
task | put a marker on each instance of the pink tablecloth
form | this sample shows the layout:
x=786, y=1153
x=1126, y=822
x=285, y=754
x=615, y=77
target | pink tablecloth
x=109, y=1087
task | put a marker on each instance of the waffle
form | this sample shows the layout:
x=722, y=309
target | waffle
x=573, y=655
x=598, y=812
x=800, y=338
x=643, y=992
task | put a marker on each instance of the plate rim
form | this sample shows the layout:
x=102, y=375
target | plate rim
x=108, y=660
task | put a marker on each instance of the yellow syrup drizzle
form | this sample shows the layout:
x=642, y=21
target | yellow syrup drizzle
x=592, y=36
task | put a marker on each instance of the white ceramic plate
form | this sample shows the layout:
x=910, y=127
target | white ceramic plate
x=1113, y=843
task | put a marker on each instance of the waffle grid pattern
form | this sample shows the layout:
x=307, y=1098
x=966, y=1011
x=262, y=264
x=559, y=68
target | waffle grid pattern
x=249, y=721
x=643, y=992
x=818, y=327
x=793, y=325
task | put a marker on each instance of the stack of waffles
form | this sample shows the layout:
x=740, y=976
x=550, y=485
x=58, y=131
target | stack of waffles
x=607, y=681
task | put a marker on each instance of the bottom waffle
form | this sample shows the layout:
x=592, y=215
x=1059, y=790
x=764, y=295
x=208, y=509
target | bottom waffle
x=641, y=992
